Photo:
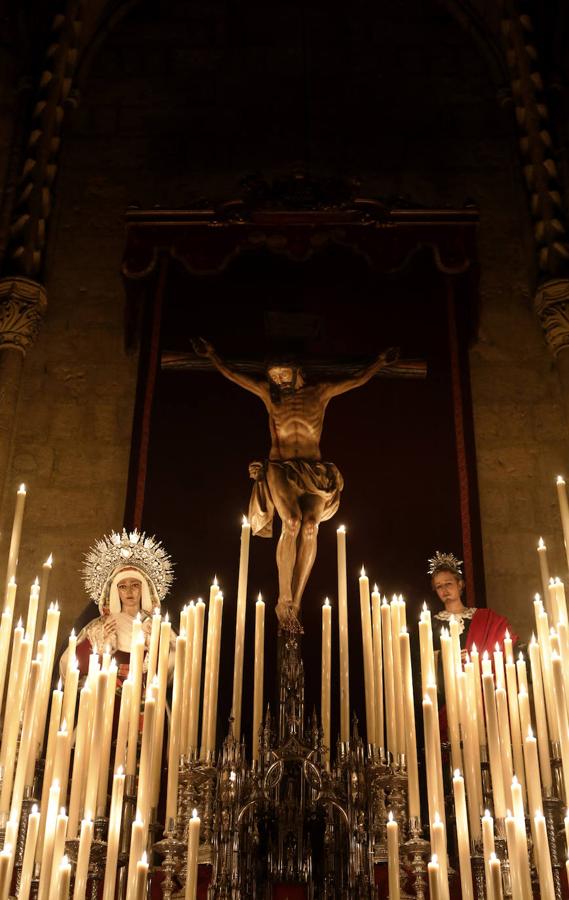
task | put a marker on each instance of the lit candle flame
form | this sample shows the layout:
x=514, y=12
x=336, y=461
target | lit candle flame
x=22, y=489
x=326, y=602
x=560, y=479
x=541, y=544
x=457, y=773
x=49, y=561
x=375, y=589
x=259, y=597
x=244, y=522
x=390, y=817
x=363, y=573
x=214, y=582
x=194, y=814
x=507, y=635
x=342, y=529
x=120, y=770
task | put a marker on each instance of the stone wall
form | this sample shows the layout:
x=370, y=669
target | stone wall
x=180, y=103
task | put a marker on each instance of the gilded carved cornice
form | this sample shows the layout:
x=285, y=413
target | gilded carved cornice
x=23, y=303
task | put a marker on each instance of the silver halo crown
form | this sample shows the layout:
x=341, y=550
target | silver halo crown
x=127, y=549
x=442, y=562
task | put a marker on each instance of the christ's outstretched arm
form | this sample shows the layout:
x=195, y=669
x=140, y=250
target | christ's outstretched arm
x=255, y=385
x=383, y=361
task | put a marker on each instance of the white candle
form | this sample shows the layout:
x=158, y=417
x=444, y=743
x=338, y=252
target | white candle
x=367, y=650
x=63, y=879
x=106, y=738
x=58, y=851
x=175, y=730
x=397, y=682
x=81, y=872
x=80, y=760
x=447, y=656
x=188, y=618
x=505, y=743
x=240, y=628
x=515, y=873
x=214, y=674
x=135, y=672
x=163, y=662
x=428, y=675
x=258, y=675
x=29, y=854
x=115, y=817
x=495, y=882
x=543, y=568
x=488, y=846
x=494, y=746
x=543, y=857
x=326, y=691
x=10, y=725
x=195, y=687
x=94, y=768
x=471, y=747
x=562, y=719
x=143, y=797
x=141, y=878
x=213, y=592
x=33, y=611
x=45, y=573
x=6, y=856
x=515, y=729
x=388, y=672
x=410, y=732
x=192, y=857
x=124, y=717
x=433, y=871
x=70, y=689
x=462, y=837
x=378, y=667
x=564, y=510
x=137, y=837
x=439, y=847
x=48, y=842
x=540, y=714
x=25, y=741
x=475, y=660
x=533, y=777
x=343, y=635
x=393, y=858
x=152, y=659
x=5, y=635
x=16, y=535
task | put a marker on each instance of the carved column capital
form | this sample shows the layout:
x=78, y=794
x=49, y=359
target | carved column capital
x=23, y=303
x=552, y=306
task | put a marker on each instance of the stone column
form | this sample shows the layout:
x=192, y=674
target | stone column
x=23, y=303
x=552, y=307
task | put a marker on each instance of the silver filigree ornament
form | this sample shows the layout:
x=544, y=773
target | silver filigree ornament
x=133, y=548
x=443, y=562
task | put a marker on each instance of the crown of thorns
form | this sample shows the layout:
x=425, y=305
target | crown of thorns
x=127, y=549
x=444, y=562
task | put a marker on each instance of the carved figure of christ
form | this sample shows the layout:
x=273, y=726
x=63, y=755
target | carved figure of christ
x=303, y=489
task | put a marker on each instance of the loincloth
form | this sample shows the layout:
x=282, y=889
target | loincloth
x=305, y=476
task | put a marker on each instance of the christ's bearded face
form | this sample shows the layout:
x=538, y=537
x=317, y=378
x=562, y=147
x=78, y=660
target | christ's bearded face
x=285, y=378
